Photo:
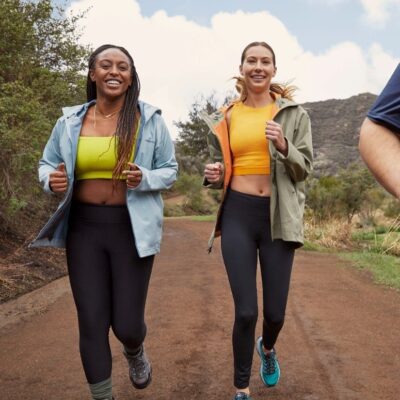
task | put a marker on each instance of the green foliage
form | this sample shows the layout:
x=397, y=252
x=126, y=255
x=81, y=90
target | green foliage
x=191, y=187
x=189, y=164
x=192, y=137
x=41, y=66
x=356, y=181
x=385, y=269
x=323, y=196
x=392, y=209
x=353, y=190
x=35, y=35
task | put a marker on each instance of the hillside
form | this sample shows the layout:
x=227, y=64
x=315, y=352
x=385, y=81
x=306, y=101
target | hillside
x=336, y=126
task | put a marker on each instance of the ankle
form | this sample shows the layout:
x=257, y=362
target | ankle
x=133, y=352
x=101, y=390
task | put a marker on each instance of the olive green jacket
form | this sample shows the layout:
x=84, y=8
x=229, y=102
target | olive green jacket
x=287, y=173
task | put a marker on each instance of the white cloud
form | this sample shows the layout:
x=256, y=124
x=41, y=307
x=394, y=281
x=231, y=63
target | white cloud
x=378, y=12
x=178, y=59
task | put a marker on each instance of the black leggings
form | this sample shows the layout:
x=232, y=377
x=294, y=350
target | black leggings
x=109, y=283
x=245, y=232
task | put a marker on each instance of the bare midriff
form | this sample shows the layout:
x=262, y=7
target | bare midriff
x=100, y=191
x=257, y=185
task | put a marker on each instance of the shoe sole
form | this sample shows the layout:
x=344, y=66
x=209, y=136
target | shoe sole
x=259, y=350
x=142, y=385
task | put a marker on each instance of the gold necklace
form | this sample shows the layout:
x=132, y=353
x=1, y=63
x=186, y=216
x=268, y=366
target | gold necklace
x=103, y=115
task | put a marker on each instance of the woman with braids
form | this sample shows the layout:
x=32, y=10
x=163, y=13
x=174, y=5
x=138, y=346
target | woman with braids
x=109, y=159
x=262, y=152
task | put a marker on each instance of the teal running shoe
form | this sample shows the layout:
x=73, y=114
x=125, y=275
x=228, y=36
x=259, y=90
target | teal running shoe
x=269, y=370
x=242, y=396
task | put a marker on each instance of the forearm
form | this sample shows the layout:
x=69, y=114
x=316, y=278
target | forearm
x=380, y=150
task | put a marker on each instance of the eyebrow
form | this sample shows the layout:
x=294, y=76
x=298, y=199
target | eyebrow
x=263, y=58
x=110, y=61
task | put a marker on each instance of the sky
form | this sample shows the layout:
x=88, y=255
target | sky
x=187, y=49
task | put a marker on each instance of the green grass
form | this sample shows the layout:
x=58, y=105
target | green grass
x=311, y=246
x=385, y=269
x=378, y=242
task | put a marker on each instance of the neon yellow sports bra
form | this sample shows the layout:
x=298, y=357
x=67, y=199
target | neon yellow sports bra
x=96, y=157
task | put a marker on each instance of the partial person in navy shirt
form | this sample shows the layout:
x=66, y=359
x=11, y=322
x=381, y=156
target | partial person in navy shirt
x=380, y=136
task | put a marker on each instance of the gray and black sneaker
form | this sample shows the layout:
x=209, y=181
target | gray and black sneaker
x=139, y=368
x=242, y=396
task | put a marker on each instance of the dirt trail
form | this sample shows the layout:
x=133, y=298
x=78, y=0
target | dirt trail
x=340, y=340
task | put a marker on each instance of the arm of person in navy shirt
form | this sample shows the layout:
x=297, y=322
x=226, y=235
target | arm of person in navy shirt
x=380, y=150
x=380, y=136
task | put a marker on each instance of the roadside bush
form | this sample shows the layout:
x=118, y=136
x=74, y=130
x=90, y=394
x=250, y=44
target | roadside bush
x=392, y=209
x=353, y=191
x=191, y=186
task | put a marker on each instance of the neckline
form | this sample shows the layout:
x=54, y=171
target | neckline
x=98, y=137
x=256, y=108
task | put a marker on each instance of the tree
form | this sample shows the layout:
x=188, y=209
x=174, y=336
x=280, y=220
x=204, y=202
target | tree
x=192, y=137
x=40, y=71
x=356, y=182
x=323, y=197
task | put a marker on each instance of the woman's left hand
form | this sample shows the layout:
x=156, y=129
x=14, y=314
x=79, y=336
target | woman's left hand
x=273, y=132
x=133, y=176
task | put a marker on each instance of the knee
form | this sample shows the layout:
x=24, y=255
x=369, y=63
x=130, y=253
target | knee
x=274, y=320
x=130, y=336
x=246, y=318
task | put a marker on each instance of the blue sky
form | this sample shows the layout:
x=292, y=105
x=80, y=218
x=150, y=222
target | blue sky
x=185, y=49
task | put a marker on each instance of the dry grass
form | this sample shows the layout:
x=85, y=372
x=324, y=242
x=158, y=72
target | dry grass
x=339, y=234
x=391, y=242
x=332, y=233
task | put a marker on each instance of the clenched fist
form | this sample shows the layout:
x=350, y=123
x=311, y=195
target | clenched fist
x=214, y=172
x=58, y=180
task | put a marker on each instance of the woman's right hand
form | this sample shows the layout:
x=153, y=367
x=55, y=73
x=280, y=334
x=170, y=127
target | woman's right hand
x=58, y=180
x=214, y=172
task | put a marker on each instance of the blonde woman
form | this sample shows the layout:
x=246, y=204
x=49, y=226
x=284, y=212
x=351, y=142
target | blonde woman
x=261, y=148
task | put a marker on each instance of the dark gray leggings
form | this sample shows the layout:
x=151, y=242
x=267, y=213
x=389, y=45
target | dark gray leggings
x=246, y=236
x=109, y=283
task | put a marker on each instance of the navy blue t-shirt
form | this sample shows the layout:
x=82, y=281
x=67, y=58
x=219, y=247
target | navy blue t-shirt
x=386, y=109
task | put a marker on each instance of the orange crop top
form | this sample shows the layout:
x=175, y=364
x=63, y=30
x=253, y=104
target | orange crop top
x=249, y=145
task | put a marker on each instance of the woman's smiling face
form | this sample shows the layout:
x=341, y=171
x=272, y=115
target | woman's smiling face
x=258, y=69
x=112, y=73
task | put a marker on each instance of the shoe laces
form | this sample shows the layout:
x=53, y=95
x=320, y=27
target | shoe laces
x=241, y=396
x=269, y=361
x=138, y=363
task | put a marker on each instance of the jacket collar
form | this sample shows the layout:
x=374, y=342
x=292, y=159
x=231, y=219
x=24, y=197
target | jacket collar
x=146, y=110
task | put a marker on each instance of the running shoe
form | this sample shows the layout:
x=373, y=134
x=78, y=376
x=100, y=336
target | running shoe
x=139, y=368
x=269, y=370
x=242, y=396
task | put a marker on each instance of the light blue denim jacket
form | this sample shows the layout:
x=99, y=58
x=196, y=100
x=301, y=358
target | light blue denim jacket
x=154, y=155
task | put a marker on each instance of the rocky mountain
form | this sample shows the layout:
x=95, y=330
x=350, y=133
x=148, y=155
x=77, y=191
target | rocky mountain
x=336, y=126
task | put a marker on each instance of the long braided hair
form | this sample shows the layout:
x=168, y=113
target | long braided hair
x=283, y=90
x=128, y=116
